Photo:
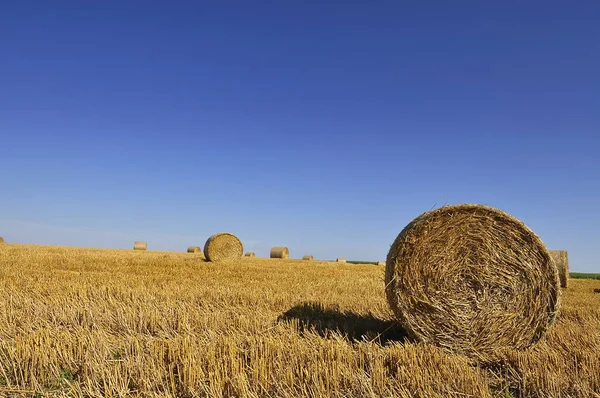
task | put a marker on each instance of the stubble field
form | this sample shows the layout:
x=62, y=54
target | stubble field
x=118, y=323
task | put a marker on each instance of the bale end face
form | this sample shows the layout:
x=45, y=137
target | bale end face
x=473, y=280
x=561, y=260
x=280, y=252
x=340, y=260
x=308, y=257
x=223, y=247
x=194, y=249
x=140, y=246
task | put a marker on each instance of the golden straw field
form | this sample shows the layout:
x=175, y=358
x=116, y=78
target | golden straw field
x=123, y=323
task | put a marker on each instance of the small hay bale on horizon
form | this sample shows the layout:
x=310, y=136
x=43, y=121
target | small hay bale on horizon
x=250, y=254
x=561, y=260
x=382, y=263
x=1, y=239
x=280, y=252
x=340, y=260
x=223, y=246
x=140, y=245
x=308, y=257
x=473, y=280
x=194, y=249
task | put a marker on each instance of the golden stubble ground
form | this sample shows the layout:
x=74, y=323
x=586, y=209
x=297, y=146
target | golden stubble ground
x=118, y=323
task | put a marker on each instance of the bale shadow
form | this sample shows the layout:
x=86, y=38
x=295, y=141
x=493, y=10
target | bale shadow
x=355, y=327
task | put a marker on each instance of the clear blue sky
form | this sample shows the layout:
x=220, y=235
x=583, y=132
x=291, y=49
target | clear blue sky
x=325, y=126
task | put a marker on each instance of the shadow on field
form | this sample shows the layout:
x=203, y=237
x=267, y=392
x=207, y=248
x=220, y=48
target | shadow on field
x=324, y=321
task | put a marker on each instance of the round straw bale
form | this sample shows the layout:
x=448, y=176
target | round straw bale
x=340, y=260
x=1, y=239
x=194, y=249
x=250, y=254
x=222, y=247
x=561, y=259
x=280, y=252
x=472, y=279
x=308, y=257
x=381, y=263
x=140, y=246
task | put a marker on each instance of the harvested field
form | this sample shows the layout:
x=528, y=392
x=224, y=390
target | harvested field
x=95, y=322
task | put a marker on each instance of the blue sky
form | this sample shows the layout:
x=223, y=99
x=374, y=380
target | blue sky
x=324, y=126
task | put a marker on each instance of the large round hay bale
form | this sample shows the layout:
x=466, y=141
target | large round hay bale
x=308, y=257
x=472, y=279
x=222, y=247
x=340, y=260
x=140, y=246
x=561, y=259
x=250, y=254
x=280, y=252
x=194, y=249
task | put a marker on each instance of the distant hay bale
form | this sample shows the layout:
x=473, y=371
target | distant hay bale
x=472, y=279
x=280, y=252
x=250, y=254
x=223, y=247
x=1, y=239
x=140, y=246
x=382, y=263
x=194, y=249
x=308, y=257
x=340, y=260
x=561, y=259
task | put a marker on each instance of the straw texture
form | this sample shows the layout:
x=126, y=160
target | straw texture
x=140, y=246
x=472, y=279
x=194, y=249
x=280, y=252
x=561, y=259
x=223, y=247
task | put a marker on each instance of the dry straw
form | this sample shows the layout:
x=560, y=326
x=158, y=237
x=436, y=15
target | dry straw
x=250, y=254
x=280, y=252
x=308, y=257
x=222, y=247
x=561, y=259
x=340, y=260
x=472, y=279
x=194, y=249
x=140, y=246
